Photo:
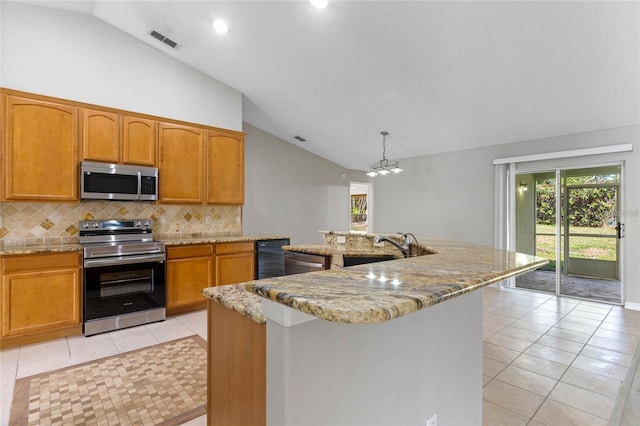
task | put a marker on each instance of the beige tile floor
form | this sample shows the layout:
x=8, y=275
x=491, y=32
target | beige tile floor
x=547, y=360
x=553, y=361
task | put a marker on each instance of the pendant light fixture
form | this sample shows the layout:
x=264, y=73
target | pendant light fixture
x=384, y=167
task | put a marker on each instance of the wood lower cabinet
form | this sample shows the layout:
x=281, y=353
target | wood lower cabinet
x=40, y=150
x=235, y=262
x=180, y=164
x=225, y=168
x=40, y=297
x=236, y=369
x=189, y=270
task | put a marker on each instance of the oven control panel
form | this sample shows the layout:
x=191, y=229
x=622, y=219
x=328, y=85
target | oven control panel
x=104, y=231
x=141, y=224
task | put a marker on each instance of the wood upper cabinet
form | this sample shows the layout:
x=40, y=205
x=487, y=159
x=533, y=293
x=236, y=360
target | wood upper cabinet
x=180, y=164
x=189, y=270
x=235, y=263
x=40, y=150
x=225, y=167
x=100, y=136
x=138, y=141
x=29, y=313
x=116, y=138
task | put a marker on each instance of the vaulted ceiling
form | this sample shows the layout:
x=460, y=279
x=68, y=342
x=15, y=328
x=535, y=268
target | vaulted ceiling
x=438, y=76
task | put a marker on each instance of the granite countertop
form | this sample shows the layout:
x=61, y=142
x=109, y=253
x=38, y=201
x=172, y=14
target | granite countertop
x=380, y=292
x=172, y=241
x=235, y=297
x=168, y=241
x=39, y=249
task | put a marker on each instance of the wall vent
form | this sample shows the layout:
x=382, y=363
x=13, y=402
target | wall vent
x=164, y=39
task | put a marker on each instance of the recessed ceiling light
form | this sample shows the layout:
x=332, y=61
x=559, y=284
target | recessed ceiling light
x=319, y=4
x=220, y=26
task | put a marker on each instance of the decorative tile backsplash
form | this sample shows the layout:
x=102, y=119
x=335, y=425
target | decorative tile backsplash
x=24, y=224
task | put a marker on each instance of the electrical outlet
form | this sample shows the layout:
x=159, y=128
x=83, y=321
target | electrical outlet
x=433, y=420
x=207, y=220
x=341, y=239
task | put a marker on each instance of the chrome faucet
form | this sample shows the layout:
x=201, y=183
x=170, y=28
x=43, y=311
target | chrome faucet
x=406, y=242
x=406, y=248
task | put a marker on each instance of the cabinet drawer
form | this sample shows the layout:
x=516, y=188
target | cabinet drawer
x=35, y=262
x=182, y=252
x=226, y=248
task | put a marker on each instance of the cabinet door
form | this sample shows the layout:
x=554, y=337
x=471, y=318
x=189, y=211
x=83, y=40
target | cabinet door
x=138, y=141
x=180, y=164
x=187, y=276
x=225, y=168
x=41, y=151
x=100, y=136
x=234, y=268
x=234, y=263
x=26, y=308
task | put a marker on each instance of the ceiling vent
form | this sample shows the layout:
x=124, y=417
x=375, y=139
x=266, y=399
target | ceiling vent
x=300, y=138
x=164, y=39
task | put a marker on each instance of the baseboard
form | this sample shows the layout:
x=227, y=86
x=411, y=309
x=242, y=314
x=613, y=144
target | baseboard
x=41, y=336
x=176, y=310
x=633, y=306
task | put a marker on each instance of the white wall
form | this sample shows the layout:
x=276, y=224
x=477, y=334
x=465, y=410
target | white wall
x=452, y=194
x=78, y=57
x=291, y=191
x=399, y=372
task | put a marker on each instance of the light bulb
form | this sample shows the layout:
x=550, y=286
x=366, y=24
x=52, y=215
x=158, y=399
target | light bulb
x=371, y=173
x=220, y=26
x=319, y=4
x=384, y=172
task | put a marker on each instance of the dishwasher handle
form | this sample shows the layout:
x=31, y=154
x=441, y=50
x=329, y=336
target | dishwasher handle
x=307, y=264
x=298, y=263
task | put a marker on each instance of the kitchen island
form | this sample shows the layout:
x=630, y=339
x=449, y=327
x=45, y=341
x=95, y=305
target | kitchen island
x=357, y=346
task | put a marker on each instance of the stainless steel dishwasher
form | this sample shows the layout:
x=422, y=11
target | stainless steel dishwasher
x=298, y=263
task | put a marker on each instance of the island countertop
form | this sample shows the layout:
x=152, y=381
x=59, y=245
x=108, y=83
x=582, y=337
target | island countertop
x=382, y=291
x=235, y=297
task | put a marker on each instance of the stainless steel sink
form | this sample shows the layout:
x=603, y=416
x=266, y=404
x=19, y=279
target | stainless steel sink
x=361, y=260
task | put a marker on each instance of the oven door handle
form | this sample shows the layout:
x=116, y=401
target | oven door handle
x=124, y=260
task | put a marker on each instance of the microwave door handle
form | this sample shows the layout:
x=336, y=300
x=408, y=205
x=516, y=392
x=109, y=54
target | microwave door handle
x=139, y=185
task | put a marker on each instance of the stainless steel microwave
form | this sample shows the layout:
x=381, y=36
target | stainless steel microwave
x=102, y=181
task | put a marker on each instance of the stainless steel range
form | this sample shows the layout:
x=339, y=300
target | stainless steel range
x=124, y=275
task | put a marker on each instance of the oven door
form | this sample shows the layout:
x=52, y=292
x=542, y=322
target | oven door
x=123, y=288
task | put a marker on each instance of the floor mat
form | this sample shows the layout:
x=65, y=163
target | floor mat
x=164, y=384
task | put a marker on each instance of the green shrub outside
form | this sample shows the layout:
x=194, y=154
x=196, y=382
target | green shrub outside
x=590, y=207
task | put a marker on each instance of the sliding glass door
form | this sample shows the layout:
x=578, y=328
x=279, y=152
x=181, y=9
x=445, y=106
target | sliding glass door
x=570, y=217
x=589, y=234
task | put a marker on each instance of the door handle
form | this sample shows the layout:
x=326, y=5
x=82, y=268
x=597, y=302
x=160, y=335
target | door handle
x=619, y=230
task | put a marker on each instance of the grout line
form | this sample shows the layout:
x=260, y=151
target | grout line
x=624, y=393
x=567, y=368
